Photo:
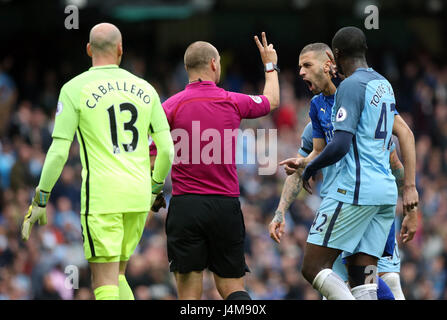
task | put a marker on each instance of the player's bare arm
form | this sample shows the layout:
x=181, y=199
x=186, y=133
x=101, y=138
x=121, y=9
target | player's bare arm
x=410, y=195
x=408, y=150
x=319, y=144
x=291, y=189
x=397, y=168
x=410, y=223
x=269, y=59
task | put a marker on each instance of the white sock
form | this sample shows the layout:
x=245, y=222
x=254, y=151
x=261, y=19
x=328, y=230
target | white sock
x=331, y=286
x=365, y=292
x=392, y=279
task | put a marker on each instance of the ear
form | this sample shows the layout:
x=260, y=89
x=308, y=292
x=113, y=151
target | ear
x=327, y=66
x=89, y=50
x=336, y=53
x=120, y=49
x=213, y=64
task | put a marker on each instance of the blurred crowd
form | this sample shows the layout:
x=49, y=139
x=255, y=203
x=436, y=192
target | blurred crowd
x=42, y=268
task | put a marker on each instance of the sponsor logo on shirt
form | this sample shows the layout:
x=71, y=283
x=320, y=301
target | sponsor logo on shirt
x=256, y=99
x=59, y=108
x=341, y=114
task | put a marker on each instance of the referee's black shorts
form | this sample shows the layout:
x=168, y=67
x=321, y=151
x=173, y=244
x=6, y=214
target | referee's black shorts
x=206, y=231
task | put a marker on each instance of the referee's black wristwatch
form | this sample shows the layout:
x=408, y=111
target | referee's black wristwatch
x=270, y=66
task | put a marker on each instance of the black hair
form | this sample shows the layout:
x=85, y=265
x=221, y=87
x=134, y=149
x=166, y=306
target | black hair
x=350, y=42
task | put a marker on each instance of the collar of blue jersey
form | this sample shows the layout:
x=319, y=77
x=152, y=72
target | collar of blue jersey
x=107, y=66
x=328, y=97
x=364, y=69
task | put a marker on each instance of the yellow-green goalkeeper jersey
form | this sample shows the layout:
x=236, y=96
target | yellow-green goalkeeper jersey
x=113, y=112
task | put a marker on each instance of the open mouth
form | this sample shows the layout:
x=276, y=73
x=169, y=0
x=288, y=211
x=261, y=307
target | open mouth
x=309, y=84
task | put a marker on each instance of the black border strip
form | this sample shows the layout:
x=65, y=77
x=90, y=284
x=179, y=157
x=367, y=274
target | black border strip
x=306, y=150
x=331, y=224
x=87, y=196
x=357, y=172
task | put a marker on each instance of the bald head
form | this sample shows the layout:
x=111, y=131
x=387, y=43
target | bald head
x=104, y=38
x=198, y=55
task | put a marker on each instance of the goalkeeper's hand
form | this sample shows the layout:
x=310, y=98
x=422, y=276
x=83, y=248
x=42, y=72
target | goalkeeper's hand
x=157, y=187
x=159, y=202
x=37, y=211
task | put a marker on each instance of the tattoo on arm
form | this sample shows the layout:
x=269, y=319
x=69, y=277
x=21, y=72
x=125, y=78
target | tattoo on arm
x=290, y=191
x=397, y=169
x=279, y=216
x=399, y=175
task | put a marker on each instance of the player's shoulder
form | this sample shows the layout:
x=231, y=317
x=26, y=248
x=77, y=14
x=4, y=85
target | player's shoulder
x=76, y=82
x=354, y=85
x=132, y=77
x=315, y=101
x=363, y=76
x=316, y=98
x=352, y=81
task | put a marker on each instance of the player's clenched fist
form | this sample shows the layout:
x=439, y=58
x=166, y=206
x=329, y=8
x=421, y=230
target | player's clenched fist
x=268, y=54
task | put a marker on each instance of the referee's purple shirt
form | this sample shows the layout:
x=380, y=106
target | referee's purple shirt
x=212, y=109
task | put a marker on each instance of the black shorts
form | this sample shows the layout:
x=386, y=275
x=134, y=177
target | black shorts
x=206, y=231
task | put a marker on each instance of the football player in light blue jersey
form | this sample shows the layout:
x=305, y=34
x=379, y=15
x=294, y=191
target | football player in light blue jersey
x=291, y=189
x=356, y=215
x=312, y=69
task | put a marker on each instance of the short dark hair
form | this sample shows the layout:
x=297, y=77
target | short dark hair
x=317, y=47
x=199, y=54
x=350, y=42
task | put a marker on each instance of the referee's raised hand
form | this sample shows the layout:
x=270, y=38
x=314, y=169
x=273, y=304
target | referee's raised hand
x=268, y=53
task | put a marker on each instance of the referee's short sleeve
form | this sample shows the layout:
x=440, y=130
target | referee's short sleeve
x=67, y=116
x=158, y=117
x=251, y=106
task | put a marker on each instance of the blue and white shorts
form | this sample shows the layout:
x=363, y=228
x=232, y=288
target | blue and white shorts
x=352, y=228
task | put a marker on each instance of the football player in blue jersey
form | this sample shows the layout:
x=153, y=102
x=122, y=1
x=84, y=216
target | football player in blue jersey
x=314, y=70
x=356, y=215
x=386, y=267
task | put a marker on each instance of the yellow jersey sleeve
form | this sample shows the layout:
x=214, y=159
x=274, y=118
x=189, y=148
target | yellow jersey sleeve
x=67, y=117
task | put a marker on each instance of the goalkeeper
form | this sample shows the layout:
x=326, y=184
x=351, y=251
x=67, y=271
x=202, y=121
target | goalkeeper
x=113, y=112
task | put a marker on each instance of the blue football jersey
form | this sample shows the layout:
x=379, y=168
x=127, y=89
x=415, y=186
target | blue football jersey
x=320, y=114
x=365, y=106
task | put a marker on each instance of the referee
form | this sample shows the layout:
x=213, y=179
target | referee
x=113, y=112
x=205, y=226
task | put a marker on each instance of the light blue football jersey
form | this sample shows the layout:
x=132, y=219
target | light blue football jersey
x=365, y=106
x=307, y=143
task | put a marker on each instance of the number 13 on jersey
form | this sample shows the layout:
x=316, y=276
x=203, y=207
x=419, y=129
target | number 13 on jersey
x=129, y=126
